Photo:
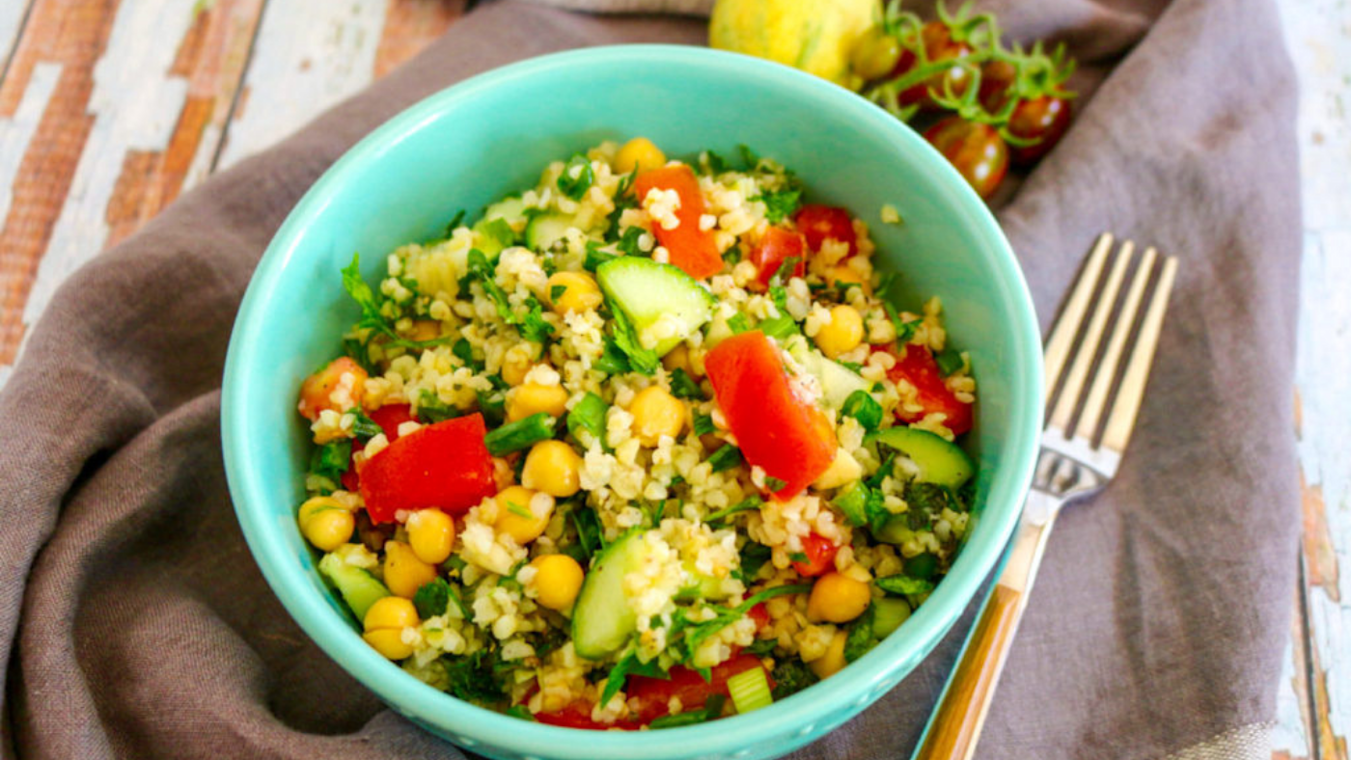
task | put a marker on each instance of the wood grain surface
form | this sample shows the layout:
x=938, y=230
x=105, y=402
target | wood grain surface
x=99, y=131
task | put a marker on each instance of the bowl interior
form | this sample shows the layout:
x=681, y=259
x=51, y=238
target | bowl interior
x=470, y=145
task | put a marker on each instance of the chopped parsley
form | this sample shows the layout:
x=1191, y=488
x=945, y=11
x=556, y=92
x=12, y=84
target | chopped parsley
x=577, y=177
x=774, y=484
x=683, y=386
x=643, y=360
x=725, y=458
x=781, y=204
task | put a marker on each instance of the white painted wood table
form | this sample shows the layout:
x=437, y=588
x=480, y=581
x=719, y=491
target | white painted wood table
x=99, y=131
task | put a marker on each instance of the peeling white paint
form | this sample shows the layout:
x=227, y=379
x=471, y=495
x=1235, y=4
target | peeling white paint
x=11, y=16
x=310, y=54
x=17, y=132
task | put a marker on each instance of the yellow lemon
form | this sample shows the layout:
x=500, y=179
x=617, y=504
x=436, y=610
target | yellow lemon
x=816, y=36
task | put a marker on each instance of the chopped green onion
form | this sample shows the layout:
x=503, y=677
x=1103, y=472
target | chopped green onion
x=521, y=434
x=779, y=327
x=854, y=504
x=576, y=178
x=683, y=386
x=745, y=505
x=863, y=407
x=703, y=424
x=904, y=585
x=750, y=690
x=949, y=361
x=725, y=458
x=586, y=420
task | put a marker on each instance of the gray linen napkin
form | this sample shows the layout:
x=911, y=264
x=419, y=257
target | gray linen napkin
x=137, y=624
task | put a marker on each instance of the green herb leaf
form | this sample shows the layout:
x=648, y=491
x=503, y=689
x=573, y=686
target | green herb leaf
x=465, y=353
x=739, y=324
x=748, y=156
x=520, y=711
x=364, y=427
x=799, y=557
x=628, y=665
x=703, y=424
x=725, y=458
x=473, y=678
x=863, y=407
x=576, y=178
x=497, y=230
x=745, y=505
x=628, y=242
x=330, y=461
x=521, y=434
x=904, y=330
x=715, y=163
x=586, y=420
x=854, y=504
x=753, y=557
x=595, y=256
x=556, y=292
x=779, y=327
x=519, y=510
x=781, y=204
x=589, y=533
x=643, y=360
x=683, y=386
x=432, y=598
x=612, y=361
x=493, y=405
x=774, y=484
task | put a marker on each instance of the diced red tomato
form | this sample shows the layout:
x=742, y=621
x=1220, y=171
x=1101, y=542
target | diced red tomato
x=389, y=418
x=445, y=465
x=776, y=246
x=654, y=694
x=790, y=439
x=315, y=392
x=818, y=223
x=760, y=614
x=820, y=553
x=916, y=365
x=578, y=715
x=692, y=249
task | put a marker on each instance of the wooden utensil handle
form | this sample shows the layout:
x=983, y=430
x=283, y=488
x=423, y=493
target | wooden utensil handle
x=958, y=721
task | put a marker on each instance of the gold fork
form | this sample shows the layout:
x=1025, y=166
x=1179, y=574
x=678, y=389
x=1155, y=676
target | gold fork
x=1076, y=460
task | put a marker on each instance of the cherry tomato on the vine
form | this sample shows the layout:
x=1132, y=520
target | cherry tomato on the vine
x=1045, y=119
x=977, y=151
x=996, y=77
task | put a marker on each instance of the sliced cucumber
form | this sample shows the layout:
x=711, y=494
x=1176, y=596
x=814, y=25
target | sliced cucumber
x=358, y=587
x=888, y=614
x=510, y=209
x=665, y=305
x=939, y=461
x=602, y=620
x=837, y=382
x=546, y=229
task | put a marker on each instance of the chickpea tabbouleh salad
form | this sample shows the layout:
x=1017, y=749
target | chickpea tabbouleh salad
x=641, y=447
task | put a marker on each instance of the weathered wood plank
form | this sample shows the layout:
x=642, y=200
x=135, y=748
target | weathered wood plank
x=409, y=26
x=72, y=35
x=12, y=15
x=1318, y=36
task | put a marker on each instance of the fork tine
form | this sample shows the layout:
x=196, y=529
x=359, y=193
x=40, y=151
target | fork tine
x=1062, y=334
x=1122, y=419
x=1083, y=359
x=1091, y=417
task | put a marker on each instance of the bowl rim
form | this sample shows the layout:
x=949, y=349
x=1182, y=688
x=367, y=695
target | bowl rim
x=798, y=715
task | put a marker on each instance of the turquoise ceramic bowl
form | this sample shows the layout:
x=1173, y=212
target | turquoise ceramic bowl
x=473, y=143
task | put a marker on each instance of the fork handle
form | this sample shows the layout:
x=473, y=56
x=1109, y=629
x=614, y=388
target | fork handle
x=958, y=721
x=956, y=724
